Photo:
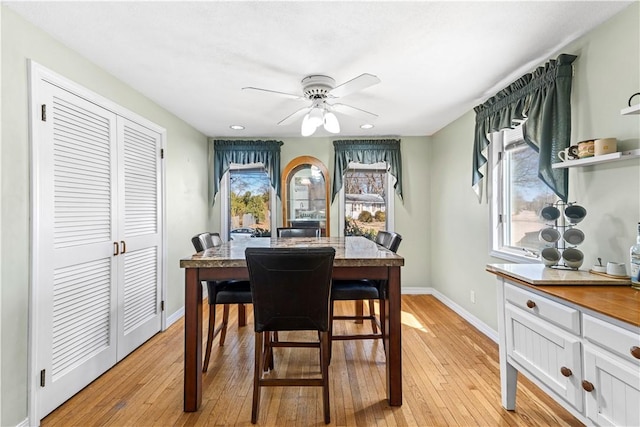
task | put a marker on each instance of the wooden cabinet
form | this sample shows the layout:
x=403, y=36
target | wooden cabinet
x=584, y=357
x=305, y=194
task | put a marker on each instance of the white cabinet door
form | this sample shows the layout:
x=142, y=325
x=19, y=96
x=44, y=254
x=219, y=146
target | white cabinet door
x=74, y=230
x=97, y=267
x=550, y=354
x=615, y=398
x=140, y=238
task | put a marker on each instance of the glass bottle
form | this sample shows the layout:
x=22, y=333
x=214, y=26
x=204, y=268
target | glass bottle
x=635, y=262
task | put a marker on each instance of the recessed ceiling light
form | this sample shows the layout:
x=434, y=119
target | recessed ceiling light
x=366, y=126
x=237, y=127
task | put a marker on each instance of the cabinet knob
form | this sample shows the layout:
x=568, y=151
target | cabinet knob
x=587, y=386
x=566, y=371
x=635, y=351
x=530, y=304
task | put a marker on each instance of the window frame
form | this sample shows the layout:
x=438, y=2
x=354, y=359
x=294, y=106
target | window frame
x=390, y=201
x=496, y=165
x=225, y=194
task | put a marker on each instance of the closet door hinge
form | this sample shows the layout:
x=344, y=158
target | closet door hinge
x=42, y=377
x=162, y=153
x=161, y=305
x=43, y=112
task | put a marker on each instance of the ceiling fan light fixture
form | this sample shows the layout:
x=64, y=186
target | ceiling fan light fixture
x=331, y=122
x=316, y=116
x=308, y=127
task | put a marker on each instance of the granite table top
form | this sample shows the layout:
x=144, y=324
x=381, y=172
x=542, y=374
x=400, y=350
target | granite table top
x=351, y=251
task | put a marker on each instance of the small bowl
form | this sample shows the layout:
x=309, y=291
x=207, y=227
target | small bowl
x=549, y=236
x=573, y=258
x=573, y=236
x=550, y=213
x=616, y=269
x=575, y=213
x=550, y=256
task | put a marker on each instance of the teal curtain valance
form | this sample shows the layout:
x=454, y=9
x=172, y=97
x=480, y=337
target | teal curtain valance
x=367, y=152
x=242, y=152
x=542, y=100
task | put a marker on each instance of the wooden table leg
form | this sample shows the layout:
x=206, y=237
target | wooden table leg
x=192, y=341
x=393, y=338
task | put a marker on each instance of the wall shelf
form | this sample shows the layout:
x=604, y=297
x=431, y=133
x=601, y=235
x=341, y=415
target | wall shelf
x=605, y=158
x=634, y=109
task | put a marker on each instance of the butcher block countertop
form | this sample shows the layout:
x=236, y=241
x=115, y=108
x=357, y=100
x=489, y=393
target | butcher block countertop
x=611, y=297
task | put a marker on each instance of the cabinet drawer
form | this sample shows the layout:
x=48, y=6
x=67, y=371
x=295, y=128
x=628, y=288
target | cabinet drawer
x=566, y=317
x=613, y=338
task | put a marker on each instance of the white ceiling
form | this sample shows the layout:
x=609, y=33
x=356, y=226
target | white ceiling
x=435, y=60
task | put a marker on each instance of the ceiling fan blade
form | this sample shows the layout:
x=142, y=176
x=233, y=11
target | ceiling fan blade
x=288, y=95
x=351, y=111
x=363, y=81
x=294, y=116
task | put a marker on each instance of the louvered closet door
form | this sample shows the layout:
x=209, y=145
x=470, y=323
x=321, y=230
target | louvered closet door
x=139, y=219
x=74, y=263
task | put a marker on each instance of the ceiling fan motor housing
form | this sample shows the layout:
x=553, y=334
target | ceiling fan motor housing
x=317, y=86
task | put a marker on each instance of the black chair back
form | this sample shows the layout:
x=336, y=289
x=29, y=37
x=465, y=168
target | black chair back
x=197, y=243
x=305, y=224
x=394, y=242
x=383, y=238
x=290, y=287
x=206, y=240
x=298, y=232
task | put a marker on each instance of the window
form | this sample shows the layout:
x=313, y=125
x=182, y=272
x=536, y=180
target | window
x=518, y=197
x=247, y=202
x=366, y=200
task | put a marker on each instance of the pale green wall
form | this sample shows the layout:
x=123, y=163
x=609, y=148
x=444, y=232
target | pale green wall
x=606, y=74
x=185, y=188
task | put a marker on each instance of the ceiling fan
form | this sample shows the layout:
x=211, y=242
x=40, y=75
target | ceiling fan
x=320, y=89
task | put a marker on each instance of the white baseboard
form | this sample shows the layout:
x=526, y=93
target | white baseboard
x=173, y=318
x=25, y=423
x=473, y=320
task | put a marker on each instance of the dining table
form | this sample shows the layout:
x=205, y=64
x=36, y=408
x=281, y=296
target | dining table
x=356, y=258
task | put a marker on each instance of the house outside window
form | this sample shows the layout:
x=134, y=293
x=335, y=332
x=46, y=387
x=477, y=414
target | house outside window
x=248, y=202
x=366, y=202
x=517, y=198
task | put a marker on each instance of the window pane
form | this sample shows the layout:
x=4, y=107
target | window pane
x=249, y=214
x=307, y=198
x=525, y=196
x=365, y=202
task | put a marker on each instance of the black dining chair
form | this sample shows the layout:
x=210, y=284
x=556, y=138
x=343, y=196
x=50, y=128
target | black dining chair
x=305, y=224
x=291, y=290
x=298, y=232
x=224, y=292
x=364, y=289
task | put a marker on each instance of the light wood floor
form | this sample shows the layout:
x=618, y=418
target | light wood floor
x=450, y=378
